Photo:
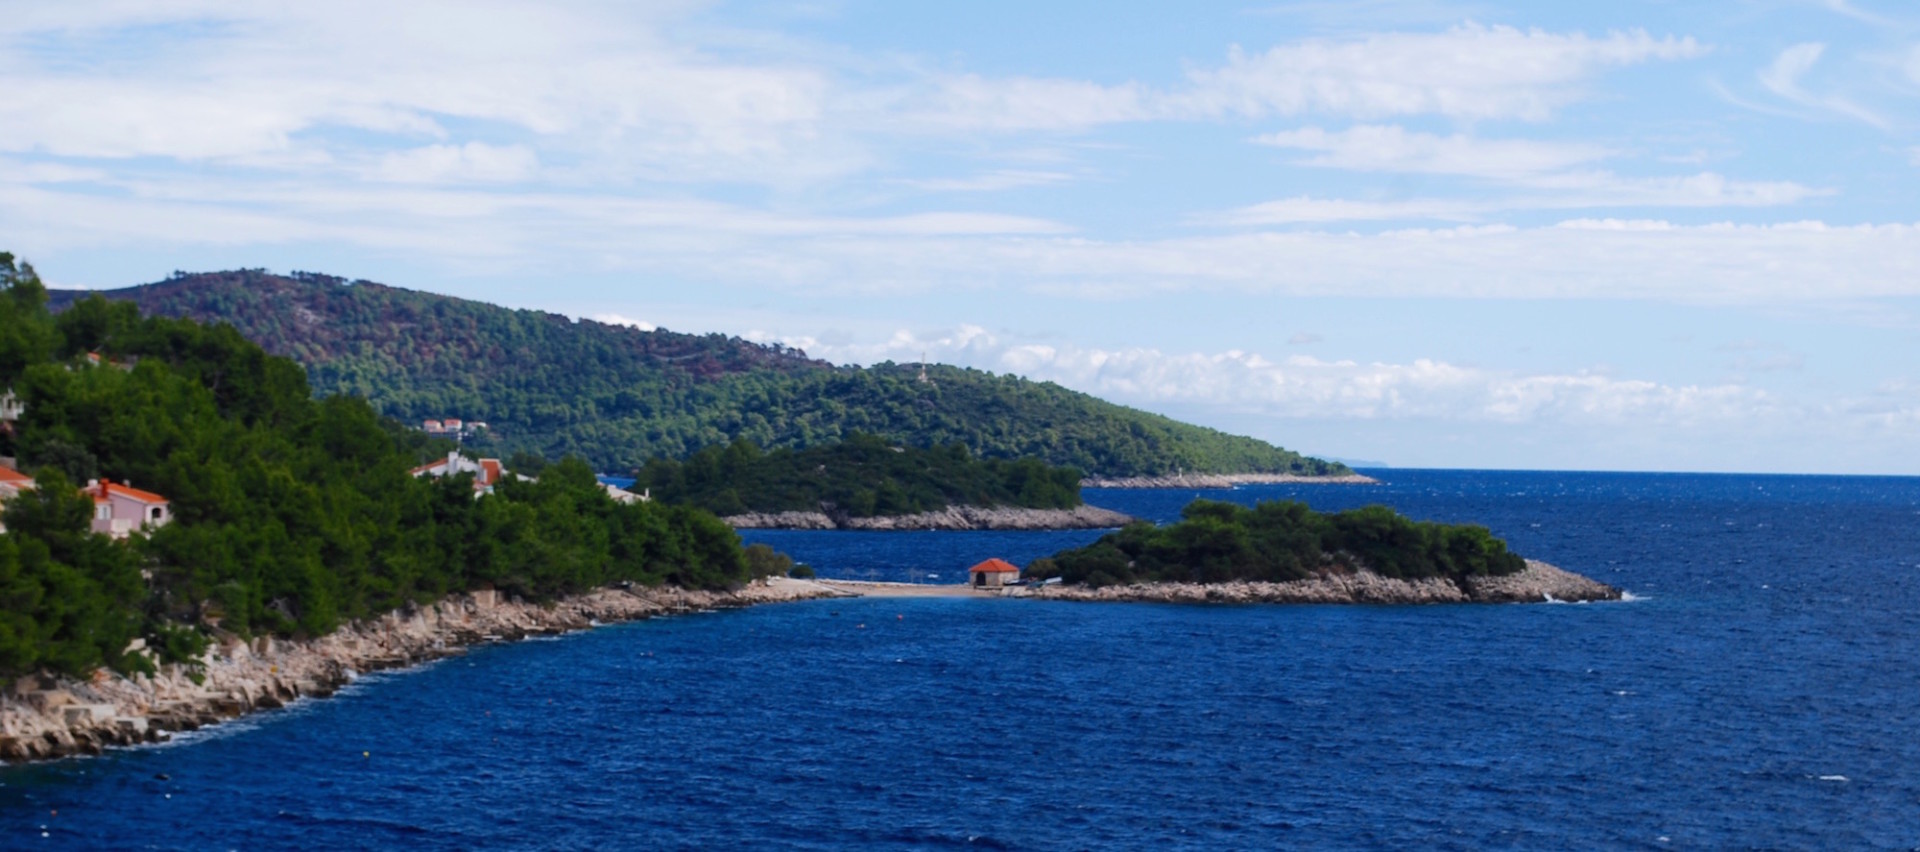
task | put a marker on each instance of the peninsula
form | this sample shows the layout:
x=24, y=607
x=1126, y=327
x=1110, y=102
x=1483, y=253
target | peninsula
x=1284, y=552
x=267, y=518
x=618, y=395
x=868, y=483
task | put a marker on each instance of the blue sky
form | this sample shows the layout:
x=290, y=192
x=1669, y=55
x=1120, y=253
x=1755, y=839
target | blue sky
x=1634, y=235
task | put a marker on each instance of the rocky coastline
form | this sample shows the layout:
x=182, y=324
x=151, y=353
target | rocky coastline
x=1222, y=480
x=1539, y=582
x=950, y=518
x=43, y=718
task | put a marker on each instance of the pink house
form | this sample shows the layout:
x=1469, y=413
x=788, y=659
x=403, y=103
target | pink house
x=120, y=510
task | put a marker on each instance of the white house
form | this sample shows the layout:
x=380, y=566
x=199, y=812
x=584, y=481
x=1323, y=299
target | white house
x=486, y=472
x=622, y=495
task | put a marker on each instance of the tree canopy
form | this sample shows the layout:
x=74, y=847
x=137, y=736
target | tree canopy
x=1280, y=541
x=863, y=476
x=291, y=513
x=619, y=396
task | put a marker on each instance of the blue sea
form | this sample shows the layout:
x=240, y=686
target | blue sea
x=1760, y=690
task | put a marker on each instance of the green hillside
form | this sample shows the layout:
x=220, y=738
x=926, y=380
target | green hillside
x=619, y=396
x=862, y=477
x=288, y=514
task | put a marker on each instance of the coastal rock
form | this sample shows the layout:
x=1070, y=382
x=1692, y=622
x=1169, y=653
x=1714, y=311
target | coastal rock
x=1222, y=480
x=781, y=521
x=1536, y=583
x=950, y=518
x=43, y=717
x=1539, y=582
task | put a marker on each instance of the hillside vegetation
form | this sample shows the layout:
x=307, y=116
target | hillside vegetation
x=618, y=396
x=861, y=477
x=291, y=514
x=1278, y=541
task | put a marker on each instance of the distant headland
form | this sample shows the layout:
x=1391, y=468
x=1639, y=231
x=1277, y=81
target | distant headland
x=954, y=518
x=1224, y=480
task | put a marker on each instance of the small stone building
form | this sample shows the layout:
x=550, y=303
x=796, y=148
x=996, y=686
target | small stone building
x=993, y=573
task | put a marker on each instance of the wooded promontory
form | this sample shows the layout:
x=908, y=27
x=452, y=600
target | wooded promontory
x=619, y=396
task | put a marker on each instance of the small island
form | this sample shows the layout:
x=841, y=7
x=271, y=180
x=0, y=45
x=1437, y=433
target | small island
x=868, y=483
x=1284, y=552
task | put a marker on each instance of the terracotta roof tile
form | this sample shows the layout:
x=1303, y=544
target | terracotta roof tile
x=108, y=489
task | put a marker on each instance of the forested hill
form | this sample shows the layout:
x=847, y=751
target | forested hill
x=619, y=396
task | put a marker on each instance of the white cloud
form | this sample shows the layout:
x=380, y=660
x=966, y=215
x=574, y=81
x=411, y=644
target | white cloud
x=712, y=243
x=605, y=95
x=1569, y=191
x=1374, y=148
x=1308, y=210
x=616, y=319
x=472, y=162
x=1545, y=169
x=602, y=83
x=1468, y=72
x=973, y=102
x=993, y=181
x=1307, y=387
x=1842, y=7
x=1785, y=78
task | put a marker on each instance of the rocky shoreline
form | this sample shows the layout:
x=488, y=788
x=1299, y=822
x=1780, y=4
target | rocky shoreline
x=1539, y=582
x=950, y=518
x=1222, y=480
x=43, y=718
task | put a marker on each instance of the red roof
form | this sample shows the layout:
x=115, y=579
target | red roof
x=109, y=489
x=8, y=474
x=994, y=566
x=489, y=471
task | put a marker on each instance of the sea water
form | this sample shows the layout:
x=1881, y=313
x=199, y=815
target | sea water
x=1759, y=690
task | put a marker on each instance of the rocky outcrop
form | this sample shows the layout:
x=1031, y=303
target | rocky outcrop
x=43, y=717
x=1539, y=582
x=781, y=521
x=1222, y=480
x=950, y=518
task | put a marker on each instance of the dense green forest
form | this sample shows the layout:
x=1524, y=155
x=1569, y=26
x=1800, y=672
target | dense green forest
x=291, y=513
x=619, y=396
x=1277, y=541
x=861, y=477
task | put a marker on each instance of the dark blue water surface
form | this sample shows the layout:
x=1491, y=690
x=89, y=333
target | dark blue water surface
x=1763, y=691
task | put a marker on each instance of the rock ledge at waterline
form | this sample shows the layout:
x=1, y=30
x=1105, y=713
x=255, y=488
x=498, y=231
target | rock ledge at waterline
x=1538, y=582
x=42, y=718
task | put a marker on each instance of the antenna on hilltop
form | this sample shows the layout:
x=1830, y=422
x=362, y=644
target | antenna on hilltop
x=923, y=370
